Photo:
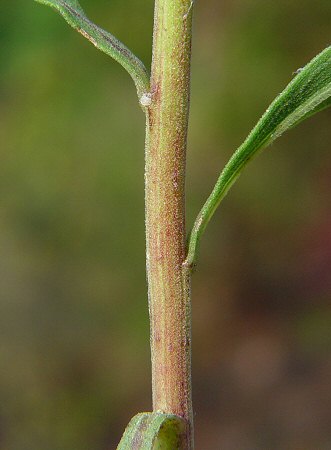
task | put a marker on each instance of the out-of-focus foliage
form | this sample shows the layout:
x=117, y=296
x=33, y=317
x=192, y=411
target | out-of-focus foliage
x=74, y=355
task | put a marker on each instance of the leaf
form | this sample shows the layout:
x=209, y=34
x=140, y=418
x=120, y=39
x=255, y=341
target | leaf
x=308, y=93
x=104, y=41
x=153, y=431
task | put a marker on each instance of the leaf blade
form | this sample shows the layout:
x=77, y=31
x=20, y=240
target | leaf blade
x=153, y=431
x=75, y=16
x=308, y=93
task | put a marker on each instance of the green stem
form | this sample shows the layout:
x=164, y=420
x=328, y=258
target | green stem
x=168, y=278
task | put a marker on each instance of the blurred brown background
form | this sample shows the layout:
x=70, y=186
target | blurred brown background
x=74, y=351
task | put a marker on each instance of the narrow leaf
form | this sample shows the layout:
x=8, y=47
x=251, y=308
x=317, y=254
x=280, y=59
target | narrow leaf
x=104, y=41
x=153, y=431
x=308, y=93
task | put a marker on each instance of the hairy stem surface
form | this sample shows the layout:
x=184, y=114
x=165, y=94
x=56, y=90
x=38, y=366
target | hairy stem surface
x=168, y=279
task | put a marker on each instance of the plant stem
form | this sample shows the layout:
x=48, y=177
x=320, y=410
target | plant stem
x=168, y=279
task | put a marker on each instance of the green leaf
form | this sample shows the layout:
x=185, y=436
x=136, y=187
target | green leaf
x=104, y=41
x=308, y=93
x=153, y=431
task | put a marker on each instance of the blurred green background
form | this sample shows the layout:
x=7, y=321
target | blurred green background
x=74, y=349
